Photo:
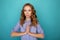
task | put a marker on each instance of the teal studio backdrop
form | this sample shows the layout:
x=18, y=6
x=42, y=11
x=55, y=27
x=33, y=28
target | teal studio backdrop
x=47, y=11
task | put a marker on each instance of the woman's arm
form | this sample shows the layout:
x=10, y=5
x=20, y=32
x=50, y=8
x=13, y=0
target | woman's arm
x=17, y=34
x=39, y=34
x=36, y=35
x=15, y=30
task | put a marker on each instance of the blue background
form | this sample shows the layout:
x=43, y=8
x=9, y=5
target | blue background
x=48, y=13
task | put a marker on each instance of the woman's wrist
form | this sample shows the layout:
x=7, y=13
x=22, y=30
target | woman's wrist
x=22, y=33
x=30, y=33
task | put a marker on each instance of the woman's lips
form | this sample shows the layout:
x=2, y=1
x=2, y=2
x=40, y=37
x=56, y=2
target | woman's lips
x=27, y=15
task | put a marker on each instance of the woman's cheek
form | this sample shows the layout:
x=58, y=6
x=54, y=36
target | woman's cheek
x=30, y=13
x=25, y=13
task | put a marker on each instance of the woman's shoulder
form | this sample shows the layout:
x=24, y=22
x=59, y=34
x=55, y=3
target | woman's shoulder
x=38, y=24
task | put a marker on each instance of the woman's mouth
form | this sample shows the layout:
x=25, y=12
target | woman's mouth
x=27, y=15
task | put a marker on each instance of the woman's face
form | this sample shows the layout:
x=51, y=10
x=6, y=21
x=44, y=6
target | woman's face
x=27, y=11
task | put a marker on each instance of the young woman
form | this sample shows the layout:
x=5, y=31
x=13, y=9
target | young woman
x=30, y=29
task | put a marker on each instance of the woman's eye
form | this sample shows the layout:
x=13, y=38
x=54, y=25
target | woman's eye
x=24, y=10
x=29, y=10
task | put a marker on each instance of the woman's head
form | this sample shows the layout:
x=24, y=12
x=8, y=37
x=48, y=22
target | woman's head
x=28, y=11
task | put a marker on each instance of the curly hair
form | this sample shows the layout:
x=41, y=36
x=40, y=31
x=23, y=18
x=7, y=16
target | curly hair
x=33, y=17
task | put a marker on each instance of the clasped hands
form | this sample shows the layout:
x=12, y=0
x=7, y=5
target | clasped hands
x=27, y=30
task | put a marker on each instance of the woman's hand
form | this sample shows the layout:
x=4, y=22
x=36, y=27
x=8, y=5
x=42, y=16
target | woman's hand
x=27, y=29
x=20, y=33
x=33, y=34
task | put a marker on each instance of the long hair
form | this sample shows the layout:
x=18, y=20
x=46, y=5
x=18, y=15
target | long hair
x=33, y=17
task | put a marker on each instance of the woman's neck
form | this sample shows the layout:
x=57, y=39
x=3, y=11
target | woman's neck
x=27, y=19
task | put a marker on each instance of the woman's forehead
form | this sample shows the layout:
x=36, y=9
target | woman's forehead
x=27, y=7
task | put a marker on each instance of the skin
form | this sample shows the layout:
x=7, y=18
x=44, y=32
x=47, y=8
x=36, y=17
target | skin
x=27, y=12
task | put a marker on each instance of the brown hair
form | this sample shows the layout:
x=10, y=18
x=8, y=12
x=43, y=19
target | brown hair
x=33, y=16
